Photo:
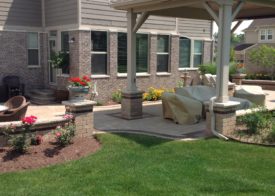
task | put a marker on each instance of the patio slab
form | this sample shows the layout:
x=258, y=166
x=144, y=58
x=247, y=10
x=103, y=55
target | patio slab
x=108, y=119
x=152, y=123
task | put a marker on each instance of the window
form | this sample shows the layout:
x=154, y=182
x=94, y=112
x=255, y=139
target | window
x=269, y=34
x=141, y=53
x=197, y=55
x=99, y=52
x=162, y=53
x=66, y=49
x=122, y=53
x=266, y=34
x=33, y=49
x=185, y=52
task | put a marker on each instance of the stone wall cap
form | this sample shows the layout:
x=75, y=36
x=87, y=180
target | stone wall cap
x=79, y=103
x=224, y=105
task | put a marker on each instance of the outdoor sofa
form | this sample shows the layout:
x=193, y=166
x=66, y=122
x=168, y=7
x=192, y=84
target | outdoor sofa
x=186, y=105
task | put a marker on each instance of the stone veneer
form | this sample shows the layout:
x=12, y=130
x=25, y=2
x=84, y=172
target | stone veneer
x=13, y=59
x=106, y=85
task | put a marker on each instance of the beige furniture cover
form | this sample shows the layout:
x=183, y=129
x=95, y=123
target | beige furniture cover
x=205, y=93
x=181, y=109
x=255, y=94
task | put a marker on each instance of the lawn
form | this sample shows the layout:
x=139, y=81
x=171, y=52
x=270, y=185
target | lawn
x=142, y=165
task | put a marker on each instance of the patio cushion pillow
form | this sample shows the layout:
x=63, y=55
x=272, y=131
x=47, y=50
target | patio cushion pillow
x=255, y=94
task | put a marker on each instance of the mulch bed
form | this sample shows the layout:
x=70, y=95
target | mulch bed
x=48, y=153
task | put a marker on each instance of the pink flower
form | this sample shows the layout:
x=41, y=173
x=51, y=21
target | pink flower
x=57, y=134
x=68, y=116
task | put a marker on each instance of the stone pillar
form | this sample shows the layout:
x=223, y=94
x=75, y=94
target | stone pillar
x=84, y=117
x=225, y=117
x=237, y=78
x=131, y=105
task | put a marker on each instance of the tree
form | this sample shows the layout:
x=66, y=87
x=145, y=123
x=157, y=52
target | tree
x=264, y=56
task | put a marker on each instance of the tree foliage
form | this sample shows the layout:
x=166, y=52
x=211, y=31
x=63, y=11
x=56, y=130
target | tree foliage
x=263, y=56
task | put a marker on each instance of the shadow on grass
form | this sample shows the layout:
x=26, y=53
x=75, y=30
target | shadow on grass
x=143, y=139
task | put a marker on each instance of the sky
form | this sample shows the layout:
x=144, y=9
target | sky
x=243, y=26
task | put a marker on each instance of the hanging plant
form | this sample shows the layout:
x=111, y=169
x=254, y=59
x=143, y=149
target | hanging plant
x=60, y=60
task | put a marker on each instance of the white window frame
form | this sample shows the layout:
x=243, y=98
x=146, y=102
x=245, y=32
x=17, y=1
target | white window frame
x=148, y=55
x=38, y=48
x=193, y=54
x=99, y=52
x=140, y=74
x=265, y=33
x=164, y=53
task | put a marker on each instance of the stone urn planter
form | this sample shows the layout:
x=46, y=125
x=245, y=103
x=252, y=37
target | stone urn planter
x=237, y=78
x=78, y=93
x=79, y=88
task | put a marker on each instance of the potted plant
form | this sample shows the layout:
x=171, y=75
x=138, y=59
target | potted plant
x=238, y=73
x=79, y=87
x=60, y=60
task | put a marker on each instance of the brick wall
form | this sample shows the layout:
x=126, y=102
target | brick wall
x=80, y=55
x=13, y=59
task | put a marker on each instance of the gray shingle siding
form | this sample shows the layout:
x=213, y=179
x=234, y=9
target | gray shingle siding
x=20, y=13
x=61, y=12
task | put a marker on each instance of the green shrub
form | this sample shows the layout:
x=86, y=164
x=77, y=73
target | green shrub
x=65, y=134
x=117, y=96
x=256, y=121
x=208, y=68
x=271, y=135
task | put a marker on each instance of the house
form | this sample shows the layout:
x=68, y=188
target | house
x=261, y=31
x=94, y=36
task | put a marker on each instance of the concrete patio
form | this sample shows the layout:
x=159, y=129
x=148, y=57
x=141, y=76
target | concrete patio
x=107, y=119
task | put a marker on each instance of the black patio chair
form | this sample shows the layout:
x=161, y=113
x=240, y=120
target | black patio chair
x=13, y=86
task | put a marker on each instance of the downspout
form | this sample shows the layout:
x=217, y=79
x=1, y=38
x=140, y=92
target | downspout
x=213, y=120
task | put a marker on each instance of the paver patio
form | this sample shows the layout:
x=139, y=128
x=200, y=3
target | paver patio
x=107, y=119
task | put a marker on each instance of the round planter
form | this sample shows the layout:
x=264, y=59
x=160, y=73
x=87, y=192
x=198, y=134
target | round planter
x=237, y=78
x=78, y=93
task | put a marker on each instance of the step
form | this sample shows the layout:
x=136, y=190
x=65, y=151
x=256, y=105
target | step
x=43, y=92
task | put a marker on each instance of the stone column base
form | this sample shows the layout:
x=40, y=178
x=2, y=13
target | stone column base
x=83, y=116
x=237, y=78
x=225, y=117
x=131, y=105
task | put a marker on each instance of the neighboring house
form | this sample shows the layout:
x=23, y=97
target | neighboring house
x=94, y=36
x=261, y=31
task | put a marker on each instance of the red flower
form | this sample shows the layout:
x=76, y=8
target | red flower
x=86, y=78
x=29, y=120
x=83, y=83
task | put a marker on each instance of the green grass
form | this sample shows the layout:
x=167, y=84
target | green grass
x=141, y=165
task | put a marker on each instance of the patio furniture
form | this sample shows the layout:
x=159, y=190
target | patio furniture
x=17, y=108
x=13, y=86
x=3, y=108
x=181, y=109
x=255, y=94
x=205, y=93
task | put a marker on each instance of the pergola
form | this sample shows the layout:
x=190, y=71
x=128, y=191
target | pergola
x=224, y=12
